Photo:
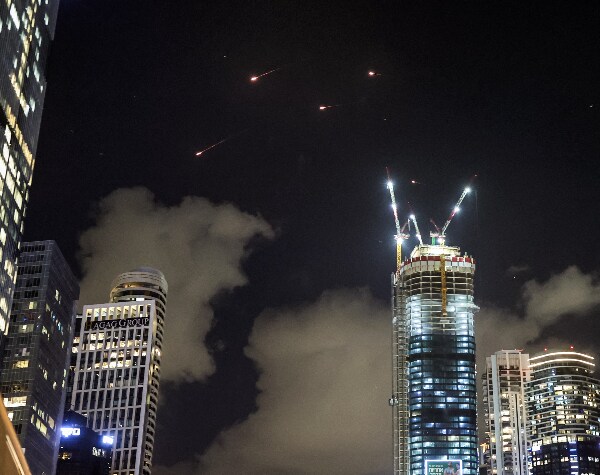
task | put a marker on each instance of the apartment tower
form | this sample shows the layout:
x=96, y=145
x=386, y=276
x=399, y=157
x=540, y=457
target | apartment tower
x=434, y=397
x=117, y=371
x=506, y=374
x=26, y=30
x=563, y=402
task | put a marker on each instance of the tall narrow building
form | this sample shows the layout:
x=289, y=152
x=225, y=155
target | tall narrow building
x=35, y=359
x=117, y=371
x=563, y=402
x=504, y=380
x=26, y=30
x=434, y=400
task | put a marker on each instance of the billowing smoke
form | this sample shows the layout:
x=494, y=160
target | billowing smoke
x=325, y=381
x=326, y=376
x=199, y=246
x=543, y=304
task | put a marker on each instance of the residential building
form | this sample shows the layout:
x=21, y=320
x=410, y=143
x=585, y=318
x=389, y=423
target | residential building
x=117, y=372
x=504, y=379
x=563, y=402
x=26, y=30
x=35, y=358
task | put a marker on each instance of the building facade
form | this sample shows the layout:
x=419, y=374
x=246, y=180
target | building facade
x=434, y=345
x=35, y=357
x=117, y=372
x=82, y=450
x=26, y=30
x=504, y=380
x=563, y=402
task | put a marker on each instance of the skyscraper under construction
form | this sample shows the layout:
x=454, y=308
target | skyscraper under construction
x=434, y=398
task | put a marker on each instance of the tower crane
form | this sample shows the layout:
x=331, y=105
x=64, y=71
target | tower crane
x=437, y=231
x=455, y=210
x=413, y=218
x=400, y=234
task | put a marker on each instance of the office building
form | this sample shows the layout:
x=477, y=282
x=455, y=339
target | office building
x=504, y=379
x=33, y=373
x=82, y=450
x=72, y=362
x=563, y=399
x=434, y=398
x=26, y=30
x=118, y=367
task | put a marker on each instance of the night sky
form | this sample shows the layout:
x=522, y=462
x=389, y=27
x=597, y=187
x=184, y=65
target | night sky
x=508, y=93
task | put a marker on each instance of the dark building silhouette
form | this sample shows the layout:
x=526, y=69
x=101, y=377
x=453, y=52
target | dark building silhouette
x=82, y=450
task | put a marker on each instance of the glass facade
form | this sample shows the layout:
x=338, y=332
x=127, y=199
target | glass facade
x=26, y=29
x=563, y=402
x=35, y=358
x=437, y=309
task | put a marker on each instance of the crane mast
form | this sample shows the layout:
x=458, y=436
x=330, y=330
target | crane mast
x=400, y=235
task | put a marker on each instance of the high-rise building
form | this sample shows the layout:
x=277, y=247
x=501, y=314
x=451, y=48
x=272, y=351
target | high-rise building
x=434, y=361
x=34, y=363
x=82, y=450
x=26, y=30
x=563, y=402
x=504, y=380
x=118, y=367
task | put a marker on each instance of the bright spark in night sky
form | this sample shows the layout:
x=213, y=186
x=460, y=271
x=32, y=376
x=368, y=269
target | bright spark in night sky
x=256, y=78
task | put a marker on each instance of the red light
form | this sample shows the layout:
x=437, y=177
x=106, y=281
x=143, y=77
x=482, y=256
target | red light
x=571, y=347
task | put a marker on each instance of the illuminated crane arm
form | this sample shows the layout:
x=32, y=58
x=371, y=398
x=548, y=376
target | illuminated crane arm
x=418, y=233
x=455, y=210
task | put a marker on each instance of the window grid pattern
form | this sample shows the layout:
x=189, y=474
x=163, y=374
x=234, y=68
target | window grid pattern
x=504, y=380
x=112, y=384
x=441, y=357
x=563, y=399
x=26, y=29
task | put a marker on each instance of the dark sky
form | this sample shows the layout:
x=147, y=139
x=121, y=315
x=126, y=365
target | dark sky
x=507, y=92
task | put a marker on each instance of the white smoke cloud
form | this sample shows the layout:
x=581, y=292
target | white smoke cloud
x=325, y=381
x=570, y=292
x=197, y=245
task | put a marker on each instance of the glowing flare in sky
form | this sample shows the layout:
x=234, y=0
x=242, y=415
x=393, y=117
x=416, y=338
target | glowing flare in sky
x=256, y=78
x=212, y=146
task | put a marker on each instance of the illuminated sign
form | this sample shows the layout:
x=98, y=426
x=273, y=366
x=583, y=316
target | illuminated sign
x=98, y=452
x=118, y=323
x=443, y=467
x=69, y=431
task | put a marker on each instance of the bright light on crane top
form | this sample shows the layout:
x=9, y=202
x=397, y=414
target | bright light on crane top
x=412, y=216
x=390, y=185
x=456, y=209
x=467, y=190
